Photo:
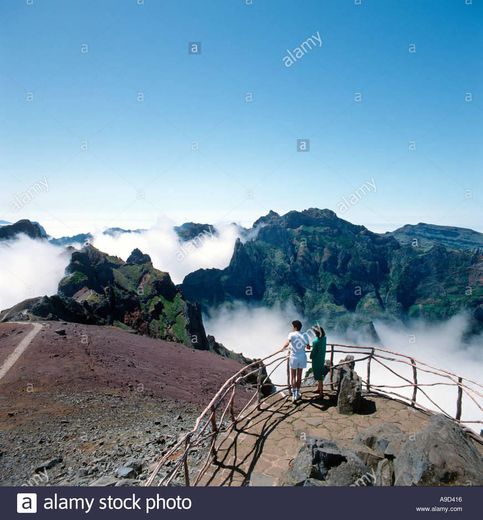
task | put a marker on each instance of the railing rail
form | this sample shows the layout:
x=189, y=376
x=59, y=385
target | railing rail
x=220, y=415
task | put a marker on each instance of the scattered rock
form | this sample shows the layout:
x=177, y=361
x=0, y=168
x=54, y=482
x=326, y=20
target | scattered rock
x=127, y=482
x=48, y=464
x=313, y=482
x=130, y=470
x=104, y=481
x=60, y=332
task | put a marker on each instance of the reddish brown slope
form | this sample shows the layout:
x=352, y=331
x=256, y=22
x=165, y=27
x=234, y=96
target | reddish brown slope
x=97, y=398
x=10, y=336
x=92, y=358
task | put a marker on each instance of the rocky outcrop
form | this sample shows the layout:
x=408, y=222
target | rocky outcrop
x=439, y=455
x=348, y=386
x=324, y=461
x=137, y=257
x=383, y=455
x=54, y=307
x=349, y=393
x=100, y=289
x=131, y=293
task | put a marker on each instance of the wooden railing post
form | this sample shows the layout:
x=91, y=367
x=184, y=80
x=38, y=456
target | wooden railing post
x=232, y=404
x=368, y=382
x=415, y=380
x=214, y=427
x=460, y=399
x=186, y=468
x=259, y=384
x=332, y=367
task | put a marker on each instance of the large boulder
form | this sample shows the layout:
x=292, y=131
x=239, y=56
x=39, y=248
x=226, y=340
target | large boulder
x=349, y=397
x=323, y=462
x=349, y=387
x=441, y=454
x=382, y=455
x=300, y=469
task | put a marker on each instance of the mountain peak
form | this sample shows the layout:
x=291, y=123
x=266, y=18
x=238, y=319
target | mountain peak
x=270, y=217
x=138, y=257
x=25, y=226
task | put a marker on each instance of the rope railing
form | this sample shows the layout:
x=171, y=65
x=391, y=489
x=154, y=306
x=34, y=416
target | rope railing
x=221, y=415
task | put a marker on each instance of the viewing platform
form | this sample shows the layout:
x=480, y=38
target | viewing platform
x=262, y=443
x=260, y=448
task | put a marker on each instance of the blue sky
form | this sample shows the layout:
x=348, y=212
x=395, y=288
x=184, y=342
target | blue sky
x=111, y=131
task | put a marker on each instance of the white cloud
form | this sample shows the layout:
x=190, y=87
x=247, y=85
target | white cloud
x=254, y=331
x=168, y=253
x=29, y=268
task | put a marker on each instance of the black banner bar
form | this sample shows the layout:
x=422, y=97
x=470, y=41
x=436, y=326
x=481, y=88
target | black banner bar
x=242, y=503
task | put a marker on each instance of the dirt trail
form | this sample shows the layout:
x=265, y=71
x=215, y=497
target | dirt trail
x=19, y=350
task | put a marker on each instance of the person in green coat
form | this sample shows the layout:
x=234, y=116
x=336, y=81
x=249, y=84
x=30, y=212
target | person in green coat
x=317, y=355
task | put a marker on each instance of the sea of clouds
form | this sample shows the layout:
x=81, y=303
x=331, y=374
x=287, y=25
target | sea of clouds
x=260, y=331
x=30, y=268
x=169, y=253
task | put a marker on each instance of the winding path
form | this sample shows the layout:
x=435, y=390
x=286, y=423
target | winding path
x=19, y=349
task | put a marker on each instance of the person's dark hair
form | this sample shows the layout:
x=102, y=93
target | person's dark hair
x=319, y=331
x=297, y=325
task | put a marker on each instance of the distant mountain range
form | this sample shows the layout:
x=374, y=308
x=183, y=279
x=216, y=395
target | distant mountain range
x=427, y=235
x=328, y=268
x=346, y=275
x=187, y=231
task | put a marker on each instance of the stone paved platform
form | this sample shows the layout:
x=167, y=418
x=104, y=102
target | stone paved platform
x=266, y=440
